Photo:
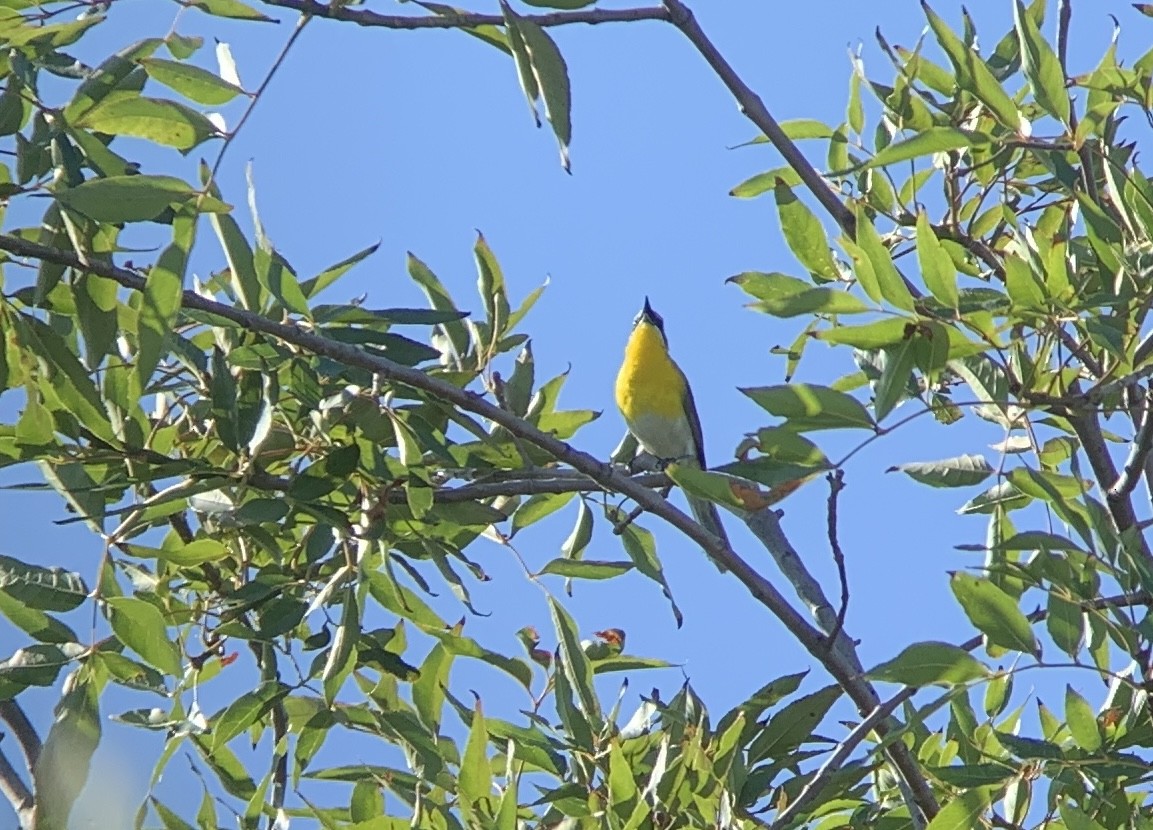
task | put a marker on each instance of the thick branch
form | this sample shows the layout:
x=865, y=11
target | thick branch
x=754, y=109
x=1105, y=471
x=464, y=20
x=1138, y=453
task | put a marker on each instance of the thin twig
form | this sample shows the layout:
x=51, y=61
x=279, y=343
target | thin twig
x=754, y=109
x=462, y=20
x=256, y=96
x=835, y=761
x=836, y=481
x=1138, y=453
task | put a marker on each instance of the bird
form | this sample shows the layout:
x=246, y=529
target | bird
x=654, y=397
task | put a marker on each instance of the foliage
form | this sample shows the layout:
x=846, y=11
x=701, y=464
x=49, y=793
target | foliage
x=309, y=473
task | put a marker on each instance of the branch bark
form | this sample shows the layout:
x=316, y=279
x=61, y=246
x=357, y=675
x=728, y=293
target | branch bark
x=464, y=20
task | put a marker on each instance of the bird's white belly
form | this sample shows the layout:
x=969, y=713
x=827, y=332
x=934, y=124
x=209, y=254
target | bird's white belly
x=668, y=439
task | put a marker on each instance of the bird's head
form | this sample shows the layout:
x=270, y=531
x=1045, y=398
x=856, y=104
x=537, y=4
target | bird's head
x=649, y=317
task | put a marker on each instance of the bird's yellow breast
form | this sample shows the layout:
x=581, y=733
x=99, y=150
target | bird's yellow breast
x=649, y=383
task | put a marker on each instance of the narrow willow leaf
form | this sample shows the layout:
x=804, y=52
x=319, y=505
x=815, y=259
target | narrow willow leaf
x=141, y=627
x=783, y=296
x=573, y=661
x=804, y=234
x=61, y=769
x=1041, y=65
x=961, y=471
x=475, y=780
x=161, y=121
x=586, y=568
x=192, y=82
x=937, y=268
x=994, y=613
x=893, y=384
x=931, y=663
x=1082, y=721
x=161, y=299
x=806, y=407
x=974, y=75
x=926, y=142
x=889, y=280
x=131, y=198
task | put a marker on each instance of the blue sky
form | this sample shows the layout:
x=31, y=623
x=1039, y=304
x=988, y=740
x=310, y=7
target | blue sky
x=420, y=139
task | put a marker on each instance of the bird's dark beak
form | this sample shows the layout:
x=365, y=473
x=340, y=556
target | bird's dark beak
x=649, y=315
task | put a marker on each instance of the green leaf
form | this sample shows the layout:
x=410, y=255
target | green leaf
x=1002, y=495
x=994, y=613
x=973, y=75
x=961, y=471
x=1041, y=65
x=1082, y=721
x=475, y=780
x=161, y=299
x=937, y=268
x=312, y=287
x=39, y=588
x=574, y=662
x=925, y=142
x=1038, y=540
x=192, y=82
x=1065, y=623
x=783, y=296
x=962, y=812
x=808, y=407
x=586, y=568
x=891, y=388
x=229, y=8
x=931, y=663
x=235, y=718
x=642, y=549
x=131, y=198
x=164, y=122
x=764, y=182
x=792, y=725
x=804, y=234
x=428, y=690
x=141, y=627
x=34, y=622
x=548, y=72
x=61, y=770
x=889, y=281
x=538, y=507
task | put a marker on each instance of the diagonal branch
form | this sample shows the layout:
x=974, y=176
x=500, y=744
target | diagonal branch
x=755, y=110
x=462, y=20
x=16, y=792
x=844, y=670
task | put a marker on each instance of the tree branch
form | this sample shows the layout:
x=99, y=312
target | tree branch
x=22, y=730
x=1138, y=453
x=463, y=20
x=14, y=789
x=754, y=109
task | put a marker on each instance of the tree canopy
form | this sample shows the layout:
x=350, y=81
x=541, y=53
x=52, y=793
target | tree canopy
x=267, y=471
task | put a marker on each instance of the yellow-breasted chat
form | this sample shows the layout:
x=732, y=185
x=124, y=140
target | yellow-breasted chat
x=657, y=404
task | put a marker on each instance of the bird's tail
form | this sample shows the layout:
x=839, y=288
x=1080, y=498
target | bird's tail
x=706, y=513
